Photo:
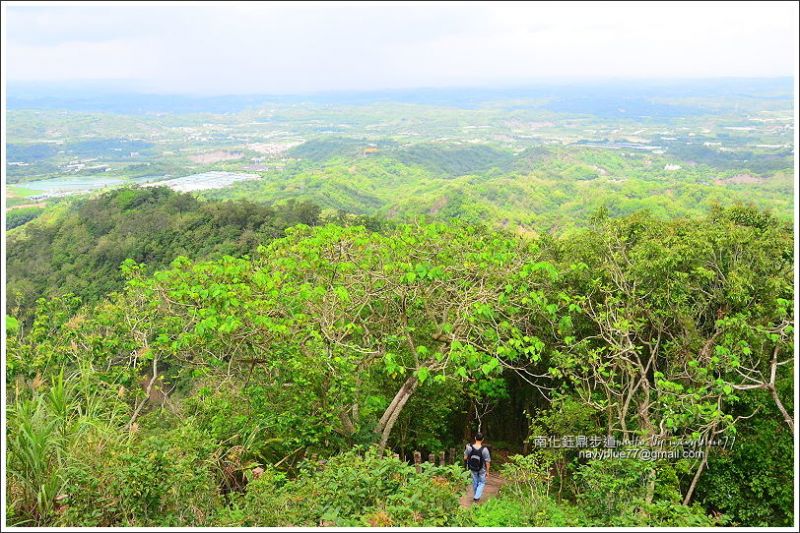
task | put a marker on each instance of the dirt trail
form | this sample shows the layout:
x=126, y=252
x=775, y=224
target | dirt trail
x=493, y=484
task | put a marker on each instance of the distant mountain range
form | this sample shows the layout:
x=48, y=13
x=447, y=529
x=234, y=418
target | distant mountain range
x=606, y=98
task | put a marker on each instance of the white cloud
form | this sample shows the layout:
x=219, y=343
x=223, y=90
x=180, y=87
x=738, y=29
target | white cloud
x=111, y=59
x=284, y=48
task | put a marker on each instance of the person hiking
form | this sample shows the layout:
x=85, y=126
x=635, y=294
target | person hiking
x=478, y=460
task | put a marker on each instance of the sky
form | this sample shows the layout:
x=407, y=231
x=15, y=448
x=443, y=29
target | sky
x=277, y=48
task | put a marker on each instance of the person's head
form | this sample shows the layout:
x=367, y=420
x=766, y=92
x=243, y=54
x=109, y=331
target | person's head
x=478, y=436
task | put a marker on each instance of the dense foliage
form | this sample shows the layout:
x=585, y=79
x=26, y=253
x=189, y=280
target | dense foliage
x=538, y=189
x=270, y=386
x=21, y=215
x=78, y=249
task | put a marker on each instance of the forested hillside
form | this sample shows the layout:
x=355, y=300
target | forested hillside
x=296, y=310
x=537, y=189
x=259, y=374
x=78, y=247
x=415, y=265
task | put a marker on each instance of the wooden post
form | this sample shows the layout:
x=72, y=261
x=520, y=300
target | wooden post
x=397, y=456
x=431, y=458
x=452, y=460
x=417, y=461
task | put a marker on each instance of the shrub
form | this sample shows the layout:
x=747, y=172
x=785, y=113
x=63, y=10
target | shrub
x=613, y=492
x=350, y=490
x=752, y=483
x=528, y=476
x=167, y=479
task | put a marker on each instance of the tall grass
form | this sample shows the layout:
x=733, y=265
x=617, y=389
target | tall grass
x=46, y=426
x=32, y=460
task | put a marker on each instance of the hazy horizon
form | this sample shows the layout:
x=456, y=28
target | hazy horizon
x=280, y=49
x=109, y=87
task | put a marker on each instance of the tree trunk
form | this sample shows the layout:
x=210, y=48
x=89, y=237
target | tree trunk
x=410, y=382
x=393, y=418
x=347, y=424
x=148, y=391
x=773, y=390
x=644, y=417
x=696, y=478
x=389, y=417
x=786, y=416
x=651, y=485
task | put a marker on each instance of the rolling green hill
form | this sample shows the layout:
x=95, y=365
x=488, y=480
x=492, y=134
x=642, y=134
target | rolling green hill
x=78, y=247
x=536, y=189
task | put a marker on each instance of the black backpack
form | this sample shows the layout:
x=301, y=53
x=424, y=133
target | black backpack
x=475, y=458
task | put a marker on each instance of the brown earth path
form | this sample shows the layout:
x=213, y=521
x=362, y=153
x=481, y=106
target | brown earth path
x=493, y=484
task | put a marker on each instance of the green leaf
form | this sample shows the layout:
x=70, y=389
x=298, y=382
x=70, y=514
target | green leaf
x=12, y=325
x=489, y=365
